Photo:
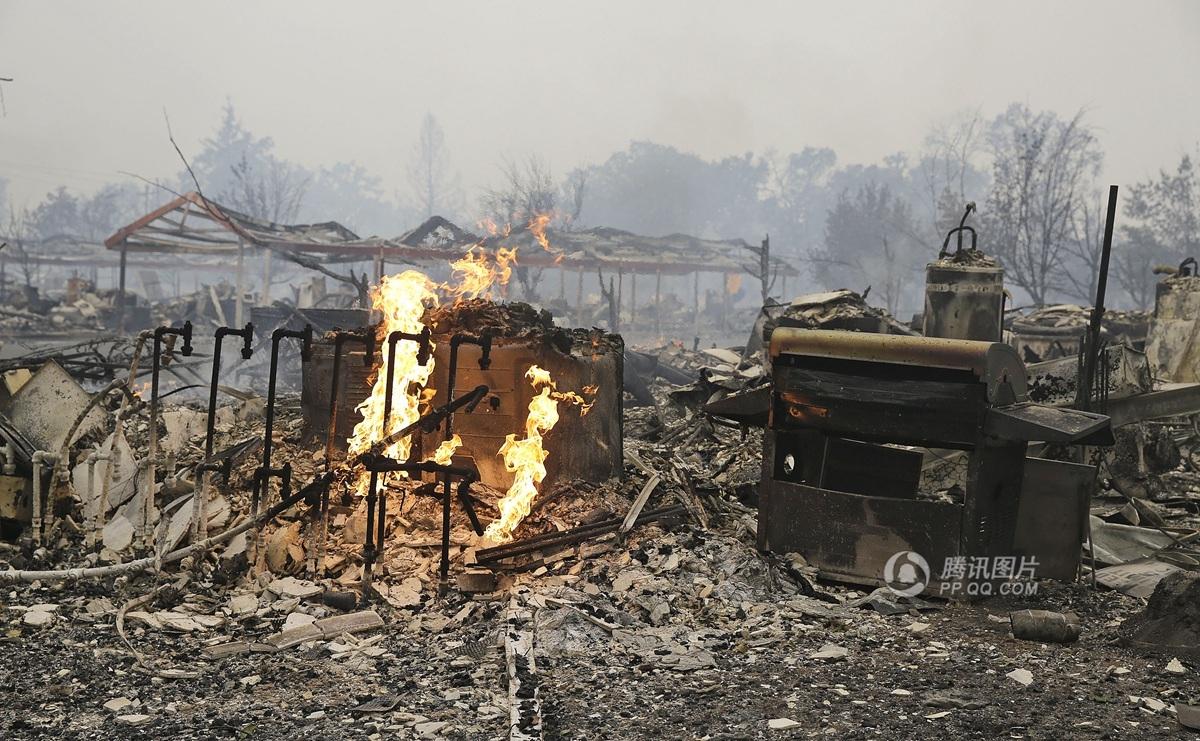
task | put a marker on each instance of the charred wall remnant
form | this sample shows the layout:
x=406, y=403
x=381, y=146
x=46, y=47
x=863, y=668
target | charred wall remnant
x=1174, y=342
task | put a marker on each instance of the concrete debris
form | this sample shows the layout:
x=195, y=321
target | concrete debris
x=117, y=704
x=829, y=652
x=1188, y=715
x=1023, y=677
x=290, y=586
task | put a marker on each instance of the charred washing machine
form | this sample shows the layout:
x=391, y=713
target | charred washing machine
x=840, y=483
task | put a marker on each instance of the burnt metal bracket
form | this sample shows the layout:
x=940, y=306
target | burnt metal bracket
x=265, y=472
x=206, y=466
x=376, y=462
x=185, y=332
x=375, y=496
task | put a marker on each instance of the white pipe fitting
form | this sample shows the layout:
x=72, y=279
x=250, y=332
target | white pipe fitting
x=40, y=459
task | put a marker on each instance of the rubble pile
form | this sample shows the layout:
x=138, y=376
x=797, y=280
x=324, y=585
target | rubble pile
x=646, y=609
x=83, y=308
x=210, y=304
x=843, y=309
x=1129, y=327
x=968, y=258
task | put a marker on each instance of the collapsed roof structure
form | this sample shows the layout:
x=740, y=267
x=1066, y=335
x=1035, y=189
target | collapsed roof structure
x=192, y=224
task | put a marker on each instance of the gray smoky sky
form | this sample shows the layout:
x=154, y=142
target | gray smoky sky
x=575, y=81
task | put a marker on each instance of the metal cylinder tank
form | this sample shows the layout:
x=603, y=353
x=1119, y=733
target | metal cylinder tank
x=964, y=294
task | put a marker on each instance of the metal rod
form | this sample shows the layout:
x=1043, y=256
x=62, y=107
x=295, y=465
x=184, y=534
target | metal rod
x=146, y=534
x=373, y=542
x=263, y=476
x=568, y=537
x=1084, y=391
x=206, y=467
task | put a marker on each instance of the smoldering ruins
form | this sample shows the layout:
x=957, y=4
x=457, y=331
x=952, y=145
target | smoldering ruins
x=783, y=456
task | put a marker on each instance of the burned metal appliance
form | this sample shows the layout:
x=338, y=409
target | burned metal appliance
x=591, y=446
x=575, y=358
x=964, y=291
x=839, y=487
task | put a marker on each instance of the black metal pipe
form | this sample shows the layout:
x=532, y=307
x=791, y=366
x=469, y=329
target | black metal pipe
x=265, y=471
x=156, y=365
x=568, y=537
x=247, y=335
x=433, y=418
x=375, y=497
x=1083, y=396
x=484, y=341
x=159, y=332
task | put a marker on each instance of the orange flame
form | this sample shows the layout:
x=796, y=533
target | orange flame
x=526, y=458
x=402, y=300
x=445, y=452
x=537, y=226
x=474, y=274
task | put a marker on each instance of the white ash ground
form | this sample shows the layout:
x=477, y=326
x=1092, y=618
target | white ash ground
x=675, y=631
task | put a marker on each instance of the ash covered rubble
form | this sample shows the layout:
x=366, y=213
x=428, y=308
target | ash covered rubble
x=624, y=606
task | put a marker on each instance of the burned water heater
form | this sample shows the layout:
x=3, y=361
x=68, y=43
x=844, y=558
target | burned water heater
x=964, y=292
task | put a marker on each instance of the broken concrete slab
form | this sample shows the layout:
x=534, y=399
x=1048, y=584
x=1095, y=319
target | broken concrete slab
x=117, y=704
x=291, y=587
x=37, y=618
x=1023, y=677
x=830, y=652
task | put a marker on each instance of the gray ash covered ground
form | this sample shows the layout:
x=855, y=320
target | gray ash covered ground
x=673, y=631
